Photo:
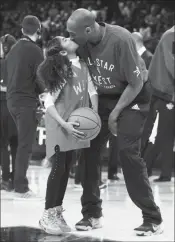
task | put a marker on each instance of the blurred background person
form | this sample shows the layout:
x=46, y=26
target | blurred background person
x=141, y=49
x=23, y=90
x=162, y=76
x=8, y=132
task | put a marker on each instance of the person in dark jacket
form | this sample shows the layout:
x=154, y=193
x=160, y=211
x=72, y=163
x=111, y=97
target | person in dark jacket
x=23, y=89
x=8, y=131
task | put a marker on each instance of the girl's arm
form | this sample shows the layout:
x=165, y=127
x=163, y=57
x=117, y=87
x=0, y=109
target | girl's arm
x=49, y=104
x=93, y=94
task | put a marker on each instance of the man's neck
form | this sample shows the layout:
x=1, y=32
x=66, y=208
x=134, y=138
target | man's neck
x=99, y=36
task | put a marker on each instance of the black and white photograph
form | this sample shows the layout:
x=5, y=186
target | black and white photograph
x=87, y=120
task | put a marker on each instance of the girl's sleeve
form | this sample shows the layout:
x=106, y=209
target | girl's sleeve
x=50, y=99
x=91, y=88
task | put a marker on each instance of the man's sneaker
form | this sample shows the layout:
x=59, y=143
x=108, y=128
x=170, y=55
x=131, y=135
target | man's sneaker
x=49, y=223
x=64, y=227
x=89, y=223
x=27, y=196
x=148, y=229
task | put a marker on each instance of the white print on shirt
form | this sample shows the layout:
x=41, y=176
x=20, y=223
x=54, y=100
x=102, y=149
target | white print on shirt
x=41, y=135
x=137, y=71
x=99, y=80
x=79, y=88
x=74, y=74
x=104, y=82
x=101, y=63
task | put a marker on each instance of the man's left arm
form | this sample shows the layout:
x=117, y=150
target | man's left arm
x=130, y=68
x=39, y=57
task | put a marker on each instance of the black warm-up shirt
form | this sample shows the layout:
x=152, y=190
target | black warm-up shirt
x=114, y=63
x=21, y=66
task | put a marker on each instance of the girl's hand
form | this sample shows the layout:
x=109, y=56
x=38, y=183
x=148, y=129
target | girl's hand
x=70, y=128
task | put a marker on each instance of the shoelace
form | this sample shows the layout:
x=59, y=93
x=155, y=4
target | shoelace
x=60, y=216
x=53, y=219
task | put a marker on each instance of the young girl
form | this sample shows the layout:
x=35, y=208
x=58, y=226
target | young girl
x=68, y=83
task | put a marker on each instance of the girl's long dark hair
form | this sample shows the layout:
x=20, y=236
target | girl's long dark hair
x=56, y=69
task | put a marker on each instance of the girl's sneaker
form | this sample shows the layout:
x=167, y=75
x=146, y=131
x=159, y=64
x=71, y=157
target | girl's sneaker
x=49, y=222
x=64, y=227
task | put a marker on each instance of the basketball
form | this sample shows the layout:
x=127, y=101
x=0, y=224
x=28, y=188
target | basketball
x=89, y=122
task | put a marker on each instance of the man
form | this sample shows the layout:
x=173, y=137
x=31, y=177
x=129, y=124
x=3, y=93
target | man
x=8, y=132
x=162, y=76
x=22, y=97
x=114, y=64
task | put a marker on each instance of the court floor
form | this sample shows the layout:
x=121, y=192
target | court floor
x=19, y=219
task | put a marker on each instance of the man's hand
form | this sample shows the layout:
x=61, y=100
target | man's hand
x=112, y=122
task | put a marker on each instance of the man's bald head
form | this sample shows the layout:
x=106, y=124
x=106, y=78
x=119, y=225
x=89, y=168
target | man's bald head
x=82, y=18
x=81, y=25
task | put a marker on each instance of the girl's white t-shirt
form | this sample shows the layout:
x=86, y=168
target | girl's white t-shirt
x=50, y=99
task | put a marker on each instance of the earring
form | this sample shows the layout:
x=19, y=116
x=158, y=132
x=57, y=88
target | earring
x=63, y=52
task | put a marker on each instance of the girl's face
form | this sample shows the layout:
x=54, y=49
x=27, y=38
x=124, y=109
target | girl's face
x=68, y=45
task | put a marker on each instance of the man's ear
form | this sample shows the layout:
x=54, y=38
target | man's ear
x=88, y=30
x=63, y=52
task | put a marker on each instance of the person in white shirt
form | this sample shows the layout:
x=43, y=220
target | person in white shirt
x=69, y=87
x=141, y=49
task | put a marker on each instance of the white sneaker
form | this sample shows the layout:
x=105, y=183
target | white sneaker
x=49, y=222
x=27, y=196
x=61, y=221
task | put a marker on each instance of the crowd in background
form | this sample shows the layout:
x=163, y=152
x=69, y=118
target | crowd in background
x=148, y=17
